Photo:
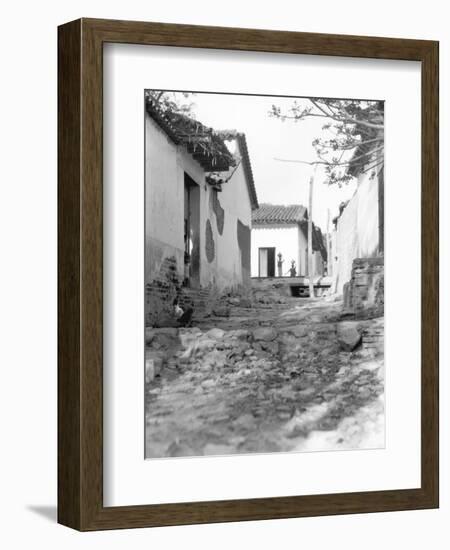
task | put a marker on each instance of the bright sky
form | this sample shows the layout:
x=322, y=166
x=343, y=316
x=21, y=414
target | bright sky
x=269, y=138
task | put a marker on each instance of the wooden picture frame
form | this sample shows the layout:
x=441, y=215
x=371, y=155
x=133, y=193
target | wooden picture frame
x=80, y=271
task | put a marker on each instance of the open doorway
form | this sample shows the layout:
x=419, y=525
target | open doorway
x=267, y=262
x=191, y=232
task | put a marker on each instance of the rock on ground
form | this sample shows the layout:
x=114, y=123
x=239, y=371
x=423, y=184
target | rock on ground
x=349, y=335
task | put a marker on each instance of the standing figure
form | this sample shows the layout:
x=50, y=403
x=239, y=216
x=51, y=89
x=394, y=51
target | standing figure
x=280, y=264
x=293, y=270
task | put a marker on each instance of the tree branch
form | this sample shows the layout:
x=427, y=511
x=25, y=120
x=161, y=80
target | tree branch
x=347, y=118
x=329, y=162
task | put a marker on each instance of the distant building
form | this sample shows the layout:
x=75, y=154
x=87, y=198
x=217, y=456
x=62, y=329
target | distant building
x=283, y=230
x=199, y=196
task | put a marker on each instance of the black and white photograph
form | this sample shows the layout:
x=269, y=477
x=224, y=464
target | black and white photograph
x=264, y=274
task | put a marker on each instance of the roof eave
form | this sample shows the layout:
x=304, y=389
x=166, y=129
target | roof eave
x=246, y=164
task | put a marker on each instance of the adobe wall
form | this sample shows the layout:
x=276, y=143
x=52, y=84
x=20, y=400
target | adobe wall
x=222, y=245
x=357, y=233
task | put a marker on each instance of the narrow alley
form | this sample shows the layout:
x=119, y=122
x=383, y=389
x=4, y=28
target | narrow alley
x=273, y=375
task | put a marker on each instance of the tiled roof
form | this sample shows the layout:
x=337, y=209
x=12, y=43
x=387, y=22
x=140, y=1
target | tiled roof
x=275, y=213
x=248, y=170
x=202, y=142
x=206, y=145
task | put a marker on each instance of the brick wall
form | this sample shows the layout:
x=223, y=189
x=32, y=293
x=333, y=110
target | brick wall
x=364, y=293
x=160, y=293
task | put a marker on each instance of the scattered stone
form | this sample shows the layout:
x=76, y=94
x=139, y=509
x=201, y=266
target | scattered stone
x=204, y=344
x=215, y=333
x=279, y=373
x=188, y=332
x=221, y=311
x=245, y=421
x=306, y=393
x=271, y=347
x=240, y=334
x=348, y=335
x=372, y=365
x=298, y=330
x=264, y=333
x=221, y=418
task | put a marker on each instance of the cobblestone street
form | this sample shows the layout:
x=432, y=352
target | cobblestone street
x=289, y=376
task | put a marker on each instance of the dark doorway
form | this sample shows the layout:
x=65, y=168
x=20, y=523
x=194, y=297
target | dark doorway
x=267, y=262
x=299, y=291
x=191, y=232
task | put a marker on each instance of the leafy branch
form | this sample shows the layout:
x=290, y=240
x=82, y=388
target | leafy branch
x=352, y=140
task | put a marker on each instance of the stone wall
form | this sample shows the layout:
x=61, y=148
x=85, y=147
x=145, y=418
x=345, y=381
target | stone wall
x=160, y=293
x=364, y=293
x=209, y=301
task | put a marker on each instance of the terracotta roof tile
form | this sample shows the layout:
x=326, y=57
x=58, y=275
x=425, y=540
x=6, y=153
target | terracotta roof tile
x=275, y=213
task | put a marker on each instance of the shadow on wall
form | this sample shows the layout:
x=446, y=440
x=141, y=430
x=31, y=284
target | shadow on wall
x=244, y=243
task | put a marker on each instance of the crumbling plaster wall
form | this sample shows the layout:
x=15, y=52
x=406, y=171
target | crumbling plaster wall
x=228, y=269
x=165, y=166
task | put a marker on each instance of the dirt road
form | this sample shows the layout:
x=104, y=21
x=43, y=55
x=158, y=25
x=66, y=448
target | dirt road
x=266, y=379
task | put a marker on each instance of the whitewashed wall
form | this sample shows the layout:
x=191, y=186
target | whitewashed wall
x=291, y=241
x=285, y=239
x=357, y=233
x=165, y=165
x=226, y=269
